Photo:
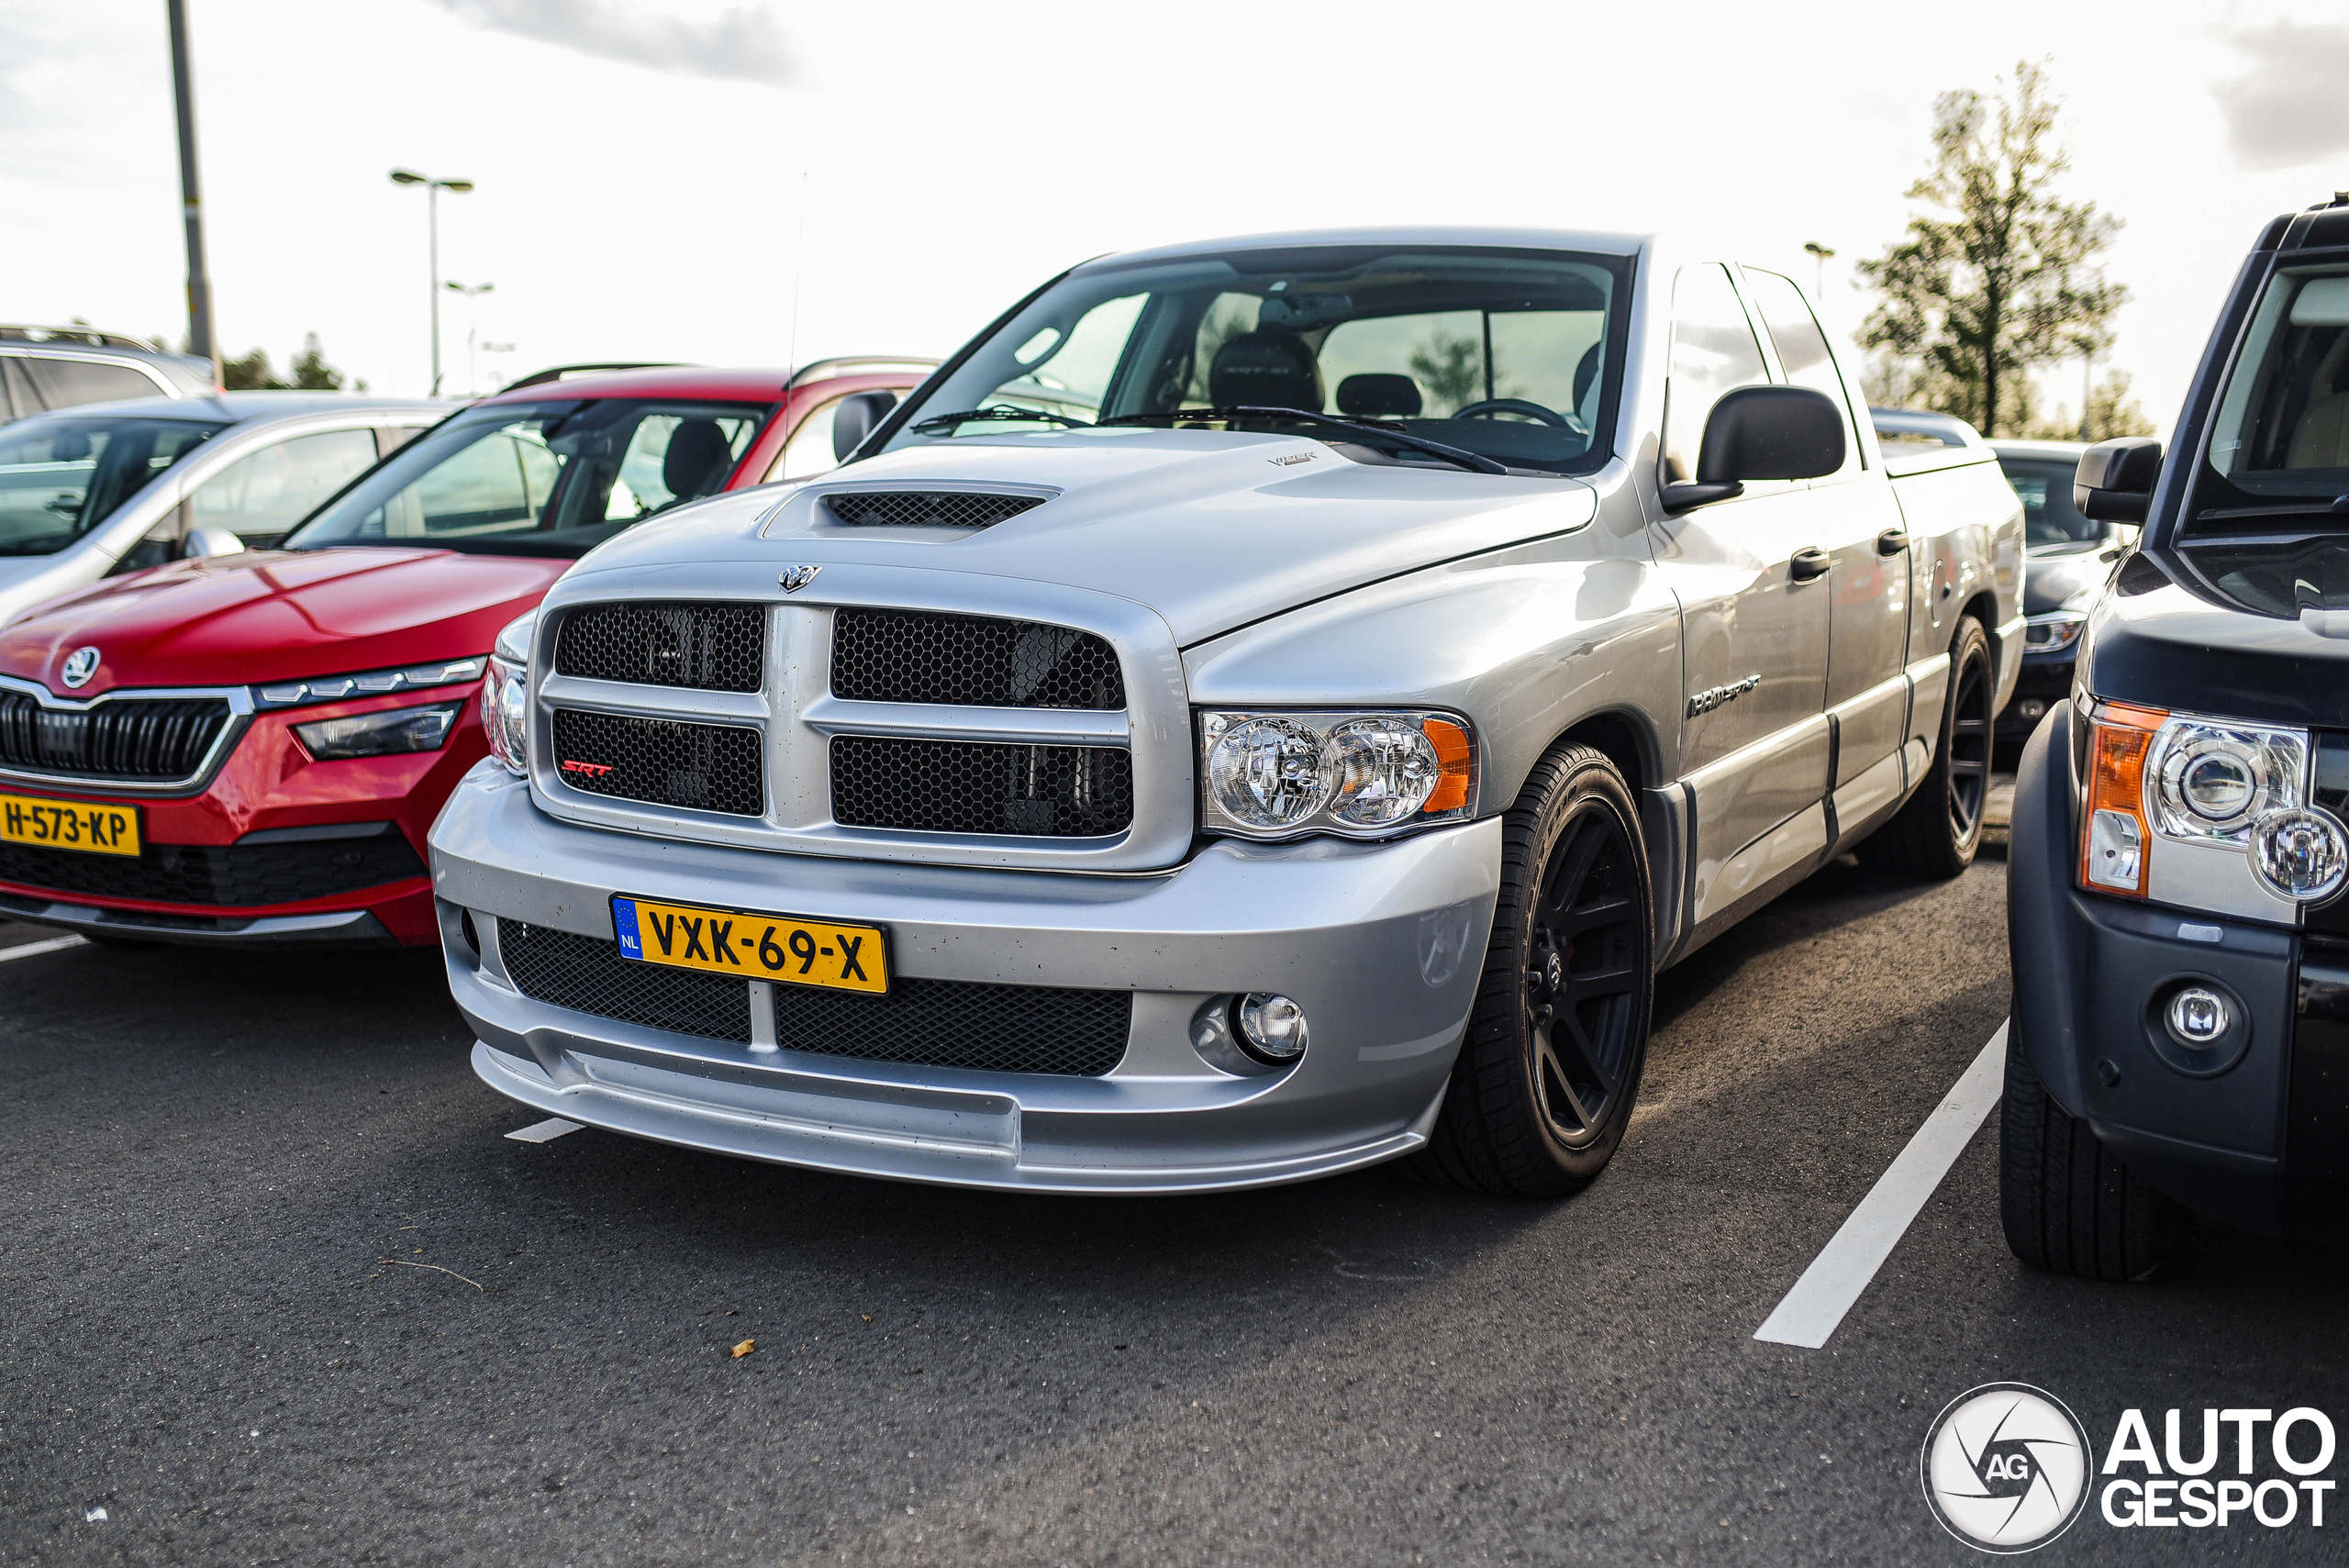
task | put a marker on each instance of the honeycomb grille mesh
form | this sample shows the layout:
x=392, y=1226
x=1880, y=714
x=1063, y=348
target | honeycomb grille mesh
x=703, y=648
x=971, y=661
x=925, y=1023
x=221, y=875
x=960, y=787
x=924, y=508
x=164, y=739
x=702, y=767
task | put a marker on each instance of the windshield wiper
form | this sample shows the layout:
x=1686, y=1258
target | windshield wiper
x=1473, y=461
x=997, y=411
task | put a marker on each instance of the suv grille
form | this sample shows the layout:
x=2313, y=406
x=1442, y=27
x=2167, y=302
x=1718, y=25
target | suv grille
x=971, y=661
x=924, y=508
x=703, y=767
x=960, y=787
x=228, y=875
x=927, y=1023
x=703, y=648
x=162, y=738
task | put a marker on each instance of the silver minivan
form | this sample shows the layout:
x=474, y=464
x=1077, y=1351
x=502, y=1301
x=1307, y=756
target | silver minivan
x=110, y=487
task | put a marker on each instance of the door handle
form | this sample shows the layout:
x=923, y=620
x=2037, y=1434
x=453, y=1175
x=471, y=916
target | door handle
x=1892, y=541
x=1807, y=564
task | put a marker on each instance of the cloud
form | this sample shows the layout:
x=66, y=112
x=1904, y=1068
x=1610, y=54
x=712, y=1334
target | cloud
x=740, y=44
x=2294, y=106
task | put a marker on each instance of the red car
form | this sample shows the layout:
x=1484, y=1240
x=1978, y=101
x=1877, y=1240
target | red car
x=250, y=748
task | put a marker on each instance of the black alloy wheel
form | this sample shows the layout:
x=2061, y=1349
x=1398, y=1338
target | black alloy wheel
x=1548, y=1073
x=1936, y=833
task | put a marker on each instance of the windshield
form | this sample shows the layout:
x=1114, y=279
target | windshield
x=540, y=479
x=61, y=477
x=2049, y=517
x=1506, y=354
x=2262, y=524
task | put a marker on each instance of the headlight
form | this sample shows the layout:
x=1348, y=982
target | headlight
x=381, y=734
x=2052, y=632
x=506, y=695
x=1275, y=775
x=2206, y=813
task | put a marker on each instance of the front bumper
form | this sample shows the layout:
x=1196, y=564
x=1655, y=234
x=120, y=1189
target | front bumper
x=1382, y=944
x=2254, y=1143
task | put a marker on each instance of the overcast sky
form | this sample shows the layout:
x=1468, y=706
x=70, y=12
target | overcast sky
x=749, y=183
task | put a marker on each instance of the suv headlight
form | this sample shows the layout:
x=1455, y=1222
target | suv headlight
x=1363, y=775
x=2052, y=632
x=506, y=695
x=383, y=733
x=2207, y=812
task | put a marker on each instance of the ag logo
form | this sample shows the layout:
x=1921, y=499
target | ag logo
x=794, y=578
x=2006, y=1467
x=80, y=665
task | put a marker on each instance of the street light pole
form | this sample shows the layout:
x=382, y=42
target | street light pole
x=472, y=292
x=200, y=339
x=1819, y=254
x=432, y=189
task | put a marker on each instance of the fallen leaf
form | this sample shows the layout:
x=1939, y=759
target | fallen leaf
x=745, y=1348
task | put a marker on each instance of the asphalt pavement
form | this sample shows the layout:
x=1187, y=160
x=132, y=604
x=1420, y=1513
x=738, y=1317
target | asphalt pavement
x=276, y=1287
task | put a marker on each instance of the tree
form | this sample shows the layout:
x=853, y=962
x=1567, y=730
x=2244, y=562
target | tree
x=1453, y=370
x=311, y=372
x=1999, y=276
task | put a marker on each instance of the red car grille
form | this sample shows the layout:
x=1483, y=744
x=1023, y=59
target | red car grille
x=164, y=738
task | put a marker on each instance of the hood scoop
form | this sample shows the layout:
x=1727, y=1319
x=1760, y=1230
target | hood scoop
x=968, y=510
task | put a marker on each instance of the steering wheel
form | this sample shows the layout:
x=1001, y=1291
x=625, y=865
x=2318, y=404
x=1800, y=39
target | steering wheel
x=1526, y=407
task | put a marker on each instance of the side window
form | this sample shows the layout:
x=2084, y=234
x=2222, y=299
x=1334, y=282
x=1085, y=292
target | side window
x=69, y=381
x=392, y=438
x=1713, y=352
x=17, y=388
x=1802, y=347
x=264, y=494
x=489, y=487
x=809, y=450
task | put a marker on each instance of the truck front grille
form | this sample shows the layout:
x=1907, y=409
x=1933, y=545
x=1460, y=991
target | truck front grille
x=924, y=508
x=963, y=786
x=702, y=647
x=701, y=767
x=972, y=660
x=925, y=1023
x=137, y=741
x=219, y=875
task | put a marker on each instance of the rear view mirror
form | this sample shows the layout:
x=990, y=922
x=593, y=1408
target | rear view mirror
x=854, y=419
x=1763, y=432
x=201, y=544
x=2115, y=482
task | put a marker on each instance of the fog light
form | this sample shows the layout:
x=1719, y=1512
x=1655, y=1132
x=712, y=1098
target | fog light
x=1272, y=1027
x=2032, y=707
x=2198, y=1018
x=2301, y=854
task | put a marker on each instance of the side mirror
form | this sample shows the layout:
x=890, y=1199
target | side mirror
x=202, y=544
x=854, y=420
x=2115, y=482
x=1763, y=432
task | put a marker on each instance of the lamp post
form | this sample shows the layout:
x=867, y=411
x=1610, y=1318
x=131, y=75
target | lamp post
x=432, y=189
x=1819, y=254
x=471, y=292
x=200, y=339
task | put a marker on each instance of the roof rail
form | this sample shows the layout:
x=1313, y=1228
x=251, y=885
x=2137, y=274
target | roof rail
x=1919, y=425
x=88, y=337
x=562, y=372
x=848, y=364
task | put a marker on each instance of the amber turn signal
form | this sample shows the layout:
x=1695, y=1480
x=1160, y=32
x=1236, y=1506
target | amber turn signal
x=1451, y=744
x=2113, y=837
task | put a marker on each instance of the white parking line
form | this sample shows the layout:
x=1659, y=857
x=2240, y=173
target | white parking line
x=540, y=1131
x=34, y=950
x=1835, y=1279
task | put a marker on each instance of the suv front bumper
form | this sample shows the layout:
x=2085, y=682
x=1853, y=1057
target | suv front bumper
x=1383, y=944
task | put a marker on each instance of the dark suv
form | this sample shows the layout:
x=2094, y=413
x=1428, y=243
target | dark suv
x=2180, y=1039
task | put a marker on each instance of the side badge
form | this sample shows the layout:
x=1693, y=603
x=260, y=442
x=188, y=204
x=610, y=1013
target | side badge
x=794, y=578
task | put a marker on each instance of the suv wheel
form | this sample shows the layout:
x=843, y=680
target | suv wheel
x=1547, y=1075
x=1937, y=832
x=2067, y=1205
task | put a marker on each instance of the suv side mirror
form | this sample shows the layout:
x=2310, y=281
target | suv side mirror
x=854, y=419
x=2115, y=482
x=1763, y=432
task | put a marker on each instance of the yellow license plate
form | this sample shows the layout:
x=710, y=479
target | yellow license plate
x=68, y=825
x=756, y=947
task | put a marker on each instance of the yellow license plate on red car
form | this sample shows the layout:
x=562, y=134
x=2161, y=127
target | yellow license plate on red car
x=783, y=948
x=68, y=825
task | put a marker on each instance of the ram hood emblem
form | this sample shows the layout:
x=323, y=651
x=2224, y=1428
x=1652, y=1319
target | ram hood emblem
x=794, y=578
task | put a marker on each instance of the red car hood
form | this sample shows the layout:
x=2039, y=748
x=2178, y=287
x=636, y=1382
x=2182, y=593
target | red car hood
x=276, y=615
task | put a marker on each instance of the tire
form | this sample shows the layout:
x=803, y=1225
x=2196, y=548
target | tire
x=1936, y=833
x=1536, y=1110
x=2067, y=1205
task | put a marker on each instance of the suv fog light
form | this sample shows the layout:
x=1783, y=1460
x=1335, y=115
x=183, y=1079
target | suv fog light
x=1272, y=1026
x=2198, y=1018
x=2300, y=853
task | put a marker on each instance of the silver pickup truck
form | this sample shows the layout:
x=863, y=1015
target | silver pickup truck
x=1261, y=708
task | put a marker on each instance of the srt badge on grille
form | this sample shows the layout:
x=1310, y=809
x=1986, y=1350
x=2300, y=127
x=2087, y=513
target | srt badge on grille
x=80, y=665
x=794, y=578
x=592, y=769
